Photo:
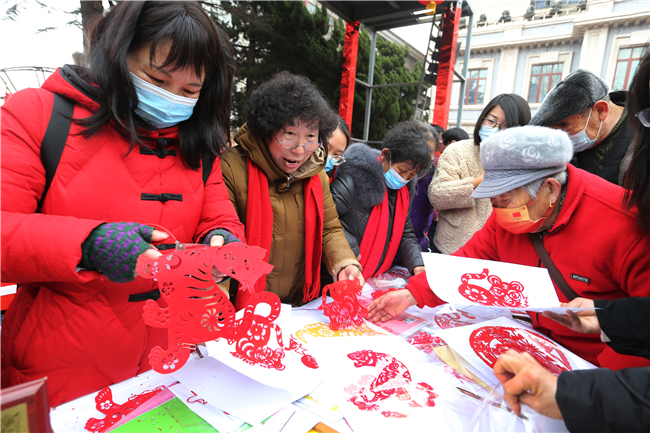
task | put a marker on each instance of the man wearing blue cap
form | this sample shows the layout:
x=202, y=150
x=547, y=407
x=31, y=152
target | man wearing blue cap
x=538, y=198
x=595, y=120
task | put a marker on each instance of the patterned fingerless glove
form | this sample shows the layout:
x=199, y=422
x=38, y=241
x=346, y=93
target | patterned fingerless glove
x=113, y=249
x=227, y=236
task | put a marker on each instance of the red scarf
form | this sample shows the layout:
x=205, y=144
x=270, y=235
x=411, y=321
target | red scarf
x=374, y=237
x=259, y=229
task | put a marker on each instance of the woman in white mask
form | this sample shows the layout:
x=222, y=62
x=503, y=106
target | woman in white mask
x=459, y=172
x=147, y=122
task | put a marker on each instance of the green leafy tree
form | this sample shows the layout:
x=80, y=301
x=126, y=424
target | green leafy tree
x=270, y=37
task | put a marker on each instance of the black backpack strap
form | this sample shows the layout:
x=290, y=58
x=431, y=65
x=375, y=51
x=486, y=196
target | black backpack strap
x=56, y=135
x=206, y=163
x=555, y=273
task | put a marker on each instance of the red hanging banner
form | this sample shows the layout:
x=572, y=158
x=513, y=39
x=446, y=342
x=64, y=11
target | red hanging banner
x=450, y=25
x=349, y=73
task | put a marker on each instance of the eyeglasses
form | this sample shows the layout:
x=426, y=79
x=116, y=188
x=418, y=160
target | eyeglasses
x=644, y=117
x=492, y=123
x=291, y=144
x=337, y=160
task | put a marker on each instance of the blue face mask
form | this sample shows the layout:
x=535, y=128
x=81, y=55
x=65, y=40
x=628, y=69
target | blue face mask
x=581, y=140
x=330, y=163
x=485, y=131
x=160, y=107
x=394, y=180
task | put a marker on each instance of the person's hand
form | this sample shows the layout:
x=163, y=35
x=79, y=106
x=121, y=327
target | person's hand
x=156, y=236
x=351, y=273
x=418, y=270
x=580, y=321
x=478, y=180
x=526, y=381
x=390, y=305
x=216, y=241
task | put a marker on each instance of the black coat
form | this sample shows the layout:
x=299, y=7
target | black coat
x=359, y=186
x=612, y=401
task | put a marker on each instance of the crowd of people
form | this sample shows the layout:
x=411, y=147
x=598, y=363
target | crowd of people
x=146, y=144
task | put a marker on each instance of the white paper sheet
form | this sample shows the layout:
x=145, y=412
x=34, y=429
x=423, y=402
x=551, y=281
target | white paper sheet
x=237, y=394
x=221, y=421
x=462, y=281
x=488, y=346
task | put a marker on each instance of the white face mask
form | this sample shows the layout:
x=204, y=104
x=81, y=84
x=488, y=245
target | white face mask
x=581, y=140
x=487, y=131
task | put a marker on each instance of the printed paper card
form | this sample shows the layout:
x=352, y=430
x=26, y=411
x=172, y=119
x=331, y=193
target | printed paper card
x=462, y=281
x=402, y=324
x=481, y=345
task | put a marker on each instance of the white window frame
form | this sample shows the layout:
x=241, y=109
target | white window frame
x=564, y=57
x=631, y=40
x=477, y=63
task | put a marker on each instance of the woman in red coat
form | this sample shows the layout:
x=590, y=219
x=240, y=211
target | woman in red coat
x=150, y=118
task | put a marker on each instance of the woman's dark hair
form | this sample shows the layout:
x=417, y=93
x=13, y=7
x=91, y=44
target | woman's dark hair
x=435, y=130
x=515, y=108
x=409, y=142
x=345, y=130
x=637, y=178
x=196, y=43
x=454, y=134
x=284, y=99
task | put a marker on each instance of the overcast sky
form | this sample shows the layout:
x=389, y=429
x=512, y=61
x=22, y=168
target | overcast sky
x=22, y=45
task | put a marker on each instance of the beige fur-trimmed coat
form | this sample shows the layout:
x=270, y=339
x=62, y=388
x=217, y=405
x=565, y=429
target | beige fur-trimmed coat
x=450, y=191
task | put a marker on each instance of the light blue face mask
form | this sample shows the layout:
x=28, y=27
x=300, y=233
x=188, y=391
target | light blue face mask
x=486, y=131
x=329, y=164
x=160, y=107
x=581, y=140
x=393, y=179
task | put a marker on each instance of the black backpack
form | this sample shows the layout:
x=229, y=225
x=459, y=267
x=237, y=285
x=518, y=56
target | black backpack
x=56, y=135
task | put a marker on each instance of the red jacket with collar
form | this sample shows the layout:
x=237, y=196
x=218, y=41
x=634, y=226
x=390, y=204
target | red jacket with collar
x=593, y=237
x=78, y=328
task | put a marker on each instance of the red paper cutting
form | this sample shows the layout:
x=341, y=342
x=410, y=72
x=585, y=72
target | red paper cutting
x=426, y=338
x=115, y=412
x=392, y=381
x=307, y=359
x=344, y=311
x=254, y=332
x=500, y=294
x=379, y=293
x=489, y=342
x=454, y=320
x=194, y=310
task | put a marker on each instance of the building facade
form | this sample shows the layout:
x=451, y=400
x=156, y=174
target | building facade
x=530, y=51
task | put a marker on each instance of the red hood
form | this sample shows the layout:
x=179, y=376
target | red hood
x=61, y=82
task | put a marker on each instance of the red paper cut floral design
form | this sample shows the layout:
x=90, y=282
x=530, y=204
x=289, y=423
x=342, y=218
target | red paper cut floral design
x=194, y=310
x=500, y=294
x=115, y=412
x=454, y=320
x=489, y=342
x=307, y=359
x=392, y=381
x=344, y=311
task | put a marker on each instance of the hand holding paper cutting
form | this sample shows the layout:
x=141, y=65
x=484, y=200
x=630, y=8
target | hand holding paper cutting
x=584, y=321
x=526, y=381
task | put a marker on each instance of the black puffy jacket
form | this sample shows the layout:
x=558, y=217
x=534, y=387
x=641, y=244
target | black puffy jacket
x=359, y=186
